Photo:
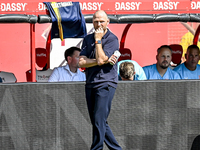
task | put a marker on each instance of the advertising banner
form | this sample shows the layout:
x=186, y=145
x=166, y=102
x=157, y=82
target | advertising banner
x=111, y=6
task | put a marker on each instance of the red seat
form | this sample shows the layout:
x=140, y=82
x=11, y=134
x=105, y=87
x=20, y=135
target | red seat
x=177, y=51
x=41, y=61
x=125, y=52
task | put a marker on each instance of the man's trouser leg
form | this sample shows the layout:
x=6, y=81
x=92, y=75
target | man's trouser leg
x=99, y=105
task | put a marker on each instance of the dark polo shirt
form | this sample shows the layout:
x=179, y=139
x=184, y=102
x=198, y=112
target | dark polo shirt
x=100, y=75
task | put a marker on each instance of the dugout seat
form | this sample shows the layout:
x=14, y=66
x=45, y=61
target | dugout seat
x=177, y=51
x=7, y=77
x=125, y=52
x=41, y=60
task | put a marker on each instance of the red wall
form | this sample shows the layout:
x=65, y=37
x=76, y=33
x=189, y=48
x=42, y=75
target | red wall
x=15, y=48
x=142, y=39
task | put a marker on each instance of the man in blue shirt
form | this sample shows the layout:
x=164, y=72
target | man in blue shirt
x=101, y=79
x=161, y=69
x=139, y=72
x=190, y=69
x=70, y=72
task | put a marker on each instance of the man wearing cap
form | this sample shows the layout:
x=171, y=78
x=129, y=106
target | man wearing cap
x=190, y=69
x=161, y=69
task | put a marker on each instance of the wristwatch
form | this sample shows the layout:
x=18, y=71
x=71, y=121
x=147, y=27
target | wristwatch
x=98, y=42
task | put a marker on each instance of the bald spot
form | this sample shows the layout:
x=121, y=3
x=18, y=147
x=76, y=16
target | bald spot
x=100, y=13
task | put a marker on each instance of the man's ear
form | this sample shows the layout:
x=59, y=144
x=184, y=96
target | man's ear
x=156, y=57
x=69, y=59
x=185, y=55
x=108, y=21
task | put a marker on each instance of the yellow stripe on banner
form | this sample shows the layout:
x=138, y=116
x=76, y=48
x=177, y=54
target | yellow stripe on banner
x=57, y=12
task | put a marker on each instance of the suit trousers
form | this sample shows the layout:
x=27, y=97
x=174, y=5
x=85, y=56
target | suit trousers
x=99, y=104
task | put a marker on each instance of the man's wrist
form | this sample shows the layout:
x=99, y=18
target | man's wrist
x=98, y=42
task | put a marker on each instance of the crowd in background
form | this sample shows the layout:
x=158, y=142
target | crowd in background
x=131, y=70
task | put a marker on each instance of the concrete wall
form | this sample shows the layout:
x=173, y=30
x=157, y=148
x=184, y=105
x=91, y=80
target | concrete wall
x=145, y=115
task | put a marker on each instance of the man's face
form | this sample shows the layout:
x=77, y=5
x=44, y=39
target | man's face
x=164, y=58
x=75, y=59
x=100, y=20
x=192, y=57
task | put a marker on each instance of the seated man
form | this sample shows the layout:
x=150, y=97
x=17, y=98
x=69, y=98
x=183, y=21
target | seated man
x=190, y=69
x=127, y=71
x=161, y=69
x=71, y=71
x=139, y=72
